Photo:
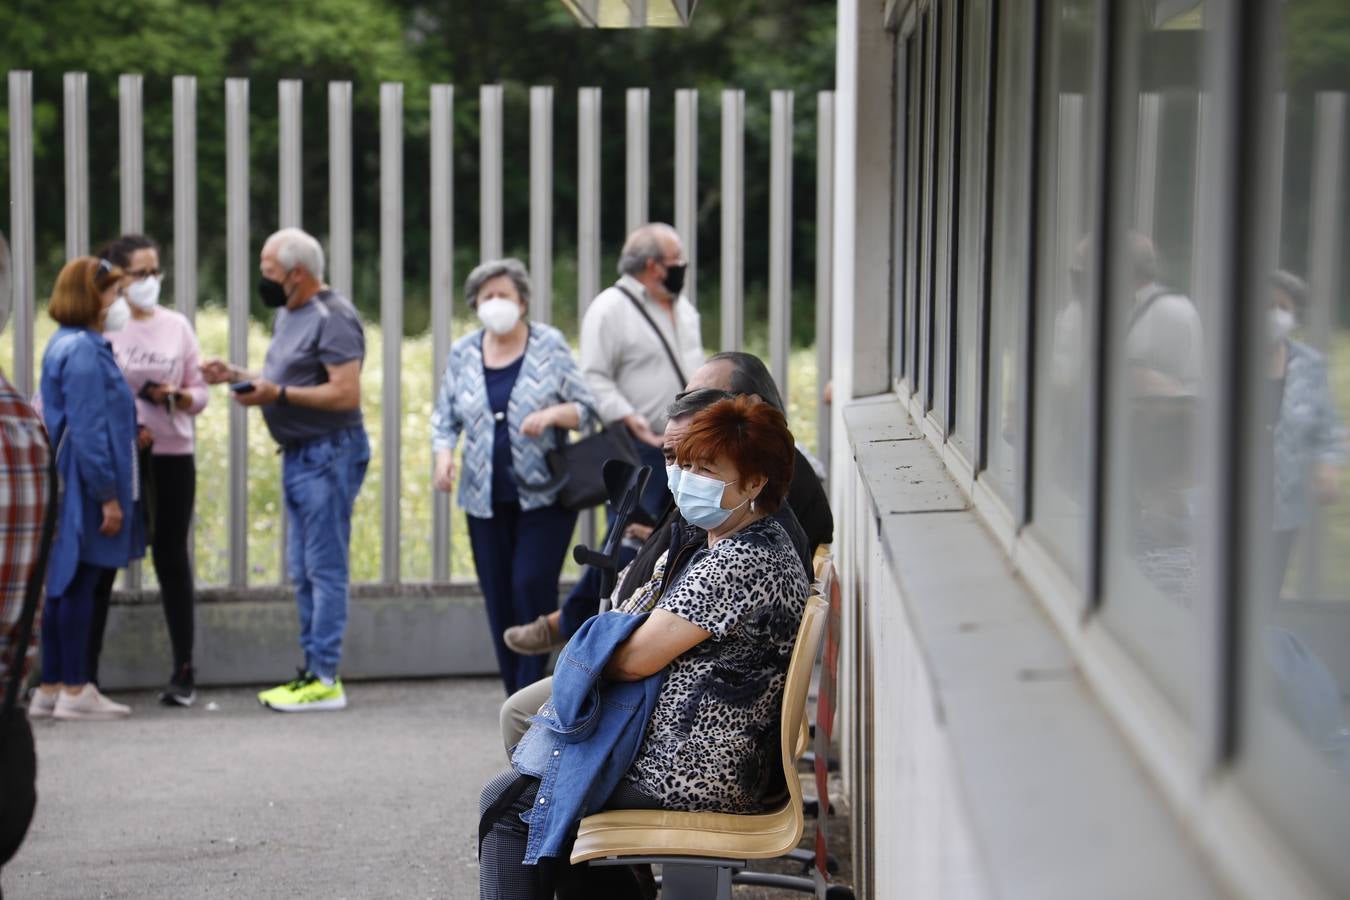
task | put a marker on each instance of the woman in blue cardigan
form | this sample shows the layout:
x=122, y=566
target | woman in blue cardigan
x=507, y=386
x=91, y=419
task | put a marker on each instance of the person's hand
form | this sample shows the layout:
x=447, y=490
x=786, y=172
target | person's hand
x=182, y=399
x=217, y=371
x=638, y=428
x=1327, y=483
x=443, y=477
x=638, y=531
x=160, y=392
x=264, y=393
x=112, y=518
x=536, y=423
x=143, y=437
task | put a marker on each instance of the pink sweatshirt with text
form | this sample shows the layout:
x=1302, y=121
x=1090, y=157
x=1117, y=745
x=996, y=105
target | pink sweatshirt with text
x=162, y=348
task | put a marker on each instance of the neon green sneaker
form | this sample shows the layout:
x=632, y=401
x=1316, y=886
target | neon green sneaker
x=305, y=694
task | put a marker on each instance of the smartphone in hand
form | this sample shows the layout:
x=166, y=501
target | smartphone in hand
x=242, y=387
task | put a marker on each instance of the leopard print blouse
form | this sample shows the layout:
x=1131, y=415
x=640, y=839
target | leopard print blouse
x=712, y=742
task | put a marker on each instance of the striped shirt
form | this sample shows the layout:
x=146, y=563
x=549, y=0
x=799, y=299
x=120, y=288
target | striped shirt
x=23, y=501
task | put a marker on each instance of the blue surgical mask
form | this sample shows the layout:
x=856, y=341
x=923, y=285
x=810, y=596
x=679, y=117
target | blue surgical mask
x=700, y=500
x=673, y=473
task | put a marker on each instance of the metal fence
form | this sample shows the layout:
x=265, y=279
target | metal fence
x=241, y=245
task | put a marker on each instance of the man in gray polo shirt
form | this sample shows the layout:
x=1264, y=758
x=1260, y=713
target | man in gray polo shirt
x=309, y=392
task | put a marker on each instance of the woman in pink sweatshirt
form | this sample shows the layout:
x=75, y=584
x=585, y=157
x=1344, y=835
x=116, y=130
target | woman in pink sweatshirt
x=159, y=356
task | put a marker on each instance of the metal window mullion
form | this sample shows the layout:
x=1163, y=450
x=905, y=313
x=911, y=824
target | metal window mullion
x=541, y=203
x=733, y=219
x=340, y=186
x=780, y=237
x=952, y=263
x=490, y=171
x=22, y=231
x=1149, y=138
x=923, y=262
x=131, y=153
x=637, y=158
x=76, y=118
x=984, y=310
x=391, y=323
x=237, y=295
x=824, y=267
x=588, y=197
x=686, y=184
x=442, y=291
x=185, y=196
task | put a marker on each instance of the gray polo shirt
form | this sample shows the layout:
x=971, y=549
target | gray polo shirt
x=326, y=331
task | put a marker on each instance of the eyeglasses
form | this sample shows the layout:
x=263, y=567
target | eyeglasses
x=138, y=274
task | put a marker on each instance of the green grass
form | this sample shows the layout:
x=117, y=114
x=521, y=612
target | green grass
x=264, y=470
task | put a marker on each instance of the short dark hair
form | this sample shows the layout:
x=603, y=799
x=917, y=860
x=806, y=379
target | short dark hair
x=119, y=252
x=753, y=437
x=691, y=402
x=749, y=375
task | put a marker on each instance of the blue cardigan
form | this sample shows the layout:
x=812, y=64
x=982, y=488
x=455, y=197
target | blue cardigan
x=91, y=417
x=548, y=375
x=586, y=736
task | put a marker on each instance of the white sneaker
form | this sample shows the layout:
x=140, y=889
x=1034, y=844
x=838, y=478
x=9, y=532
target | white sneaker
x=88, y=704
x=41, y=704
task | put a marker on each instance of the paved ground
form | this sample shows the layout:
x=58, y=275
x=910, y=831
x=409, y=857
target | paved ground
x=227, y=799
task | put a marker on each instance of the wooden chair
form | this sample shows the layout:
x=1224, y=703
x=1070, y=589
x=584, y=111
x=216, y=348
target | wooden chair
x=699, y=852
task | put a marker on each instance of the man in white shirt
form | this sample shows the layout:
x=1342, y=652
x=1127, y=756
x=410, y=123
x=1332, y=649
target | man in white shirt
x=639, y=343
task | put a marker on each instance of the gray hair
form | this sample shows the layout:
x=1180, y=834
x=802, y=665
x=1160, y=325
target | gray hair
x=749, y=375
x=644, y=244
x=295, y=247
x=495, y=268
x=1291, y=284
x=690, y=402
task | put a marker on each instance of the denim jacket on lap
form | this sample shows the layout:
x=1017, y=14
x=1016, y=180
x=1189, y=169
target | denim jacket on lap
x=586, y=736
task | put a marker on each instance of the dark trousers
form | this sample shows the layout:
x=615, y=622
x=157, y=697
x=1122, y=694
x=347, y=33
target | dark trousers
x=503, y=875
x=519, y=555
x=66, y=623
x=657, y=492
x=171, y=501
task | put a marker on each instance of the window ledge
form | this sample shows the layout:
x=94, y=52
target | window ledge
x=1056, y=804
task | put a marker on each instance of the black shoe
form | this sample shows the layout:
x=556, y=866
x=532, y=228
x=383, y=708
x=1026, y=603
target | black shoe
x=182, y=688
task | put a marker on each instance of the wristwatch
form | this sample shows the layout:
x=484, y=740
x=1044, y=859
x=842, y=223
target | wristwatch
x=281, y=397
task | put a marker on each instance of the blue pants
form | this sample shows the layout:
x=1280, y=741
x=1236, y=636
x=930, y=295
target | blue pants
x=66, y=621
x=321, y=479
x=655, y=494
x=519, y=555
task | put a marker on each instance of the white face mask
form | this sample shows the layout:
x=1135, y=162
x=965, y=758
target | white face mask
x=1280, y=323
x=498, y=314
x=117, y=315
x=144, y=294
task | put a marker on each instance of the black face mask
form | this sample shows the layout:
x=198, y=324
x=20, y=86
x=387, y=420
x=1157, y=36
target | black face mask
x=674, y=280
x=273, y=293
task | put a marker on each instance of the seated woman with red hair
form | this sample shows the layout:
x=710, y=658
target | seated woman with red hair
x=723, y=634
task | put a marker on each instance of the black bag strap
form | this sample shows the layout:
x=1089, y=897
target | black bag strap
x=670, y=354
x=33, y=590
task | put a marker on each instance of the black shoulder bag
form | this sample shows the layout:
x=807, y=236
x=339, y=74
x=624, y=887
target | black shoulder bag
x=670, y=354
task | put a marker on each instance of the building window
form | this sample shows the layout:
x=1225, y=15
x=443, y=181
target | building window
x=1065, y=279
x=900, y=356
x=1160, y=382
x=1010, y=245
x=1295, y=742
x=945, y=39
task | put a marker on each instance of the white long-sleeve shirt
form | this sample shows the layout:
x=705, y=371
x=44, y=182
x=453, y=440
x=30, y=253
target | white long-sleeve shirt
x=622, y=359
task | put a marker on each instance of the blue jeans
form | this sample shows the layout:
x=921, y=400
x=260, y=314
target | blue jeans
x=321, y=479
x=518, y=555
x=66, y=622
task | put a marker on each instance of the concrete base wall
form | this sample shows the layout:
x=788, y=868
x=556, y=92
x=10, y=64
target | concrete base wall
x=251, y=636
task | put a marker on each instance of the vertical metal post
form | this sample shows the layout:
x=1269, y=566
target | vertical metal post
x=780, y=237
x=1146, y=176
x=588, y=197
x=22, y=232
x=1275, y=206
x=340, y=186
x=185, y=195
x=490, y=171
x=290, y=212
x=391, y=321
x=131, y=153
x=733, y=218
x=541, y=203
x=638, y=102
x=442, y=290
x=686, y=184
x=824, y=267
x=77, y=163
x=637, y=13
x=237, y=283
